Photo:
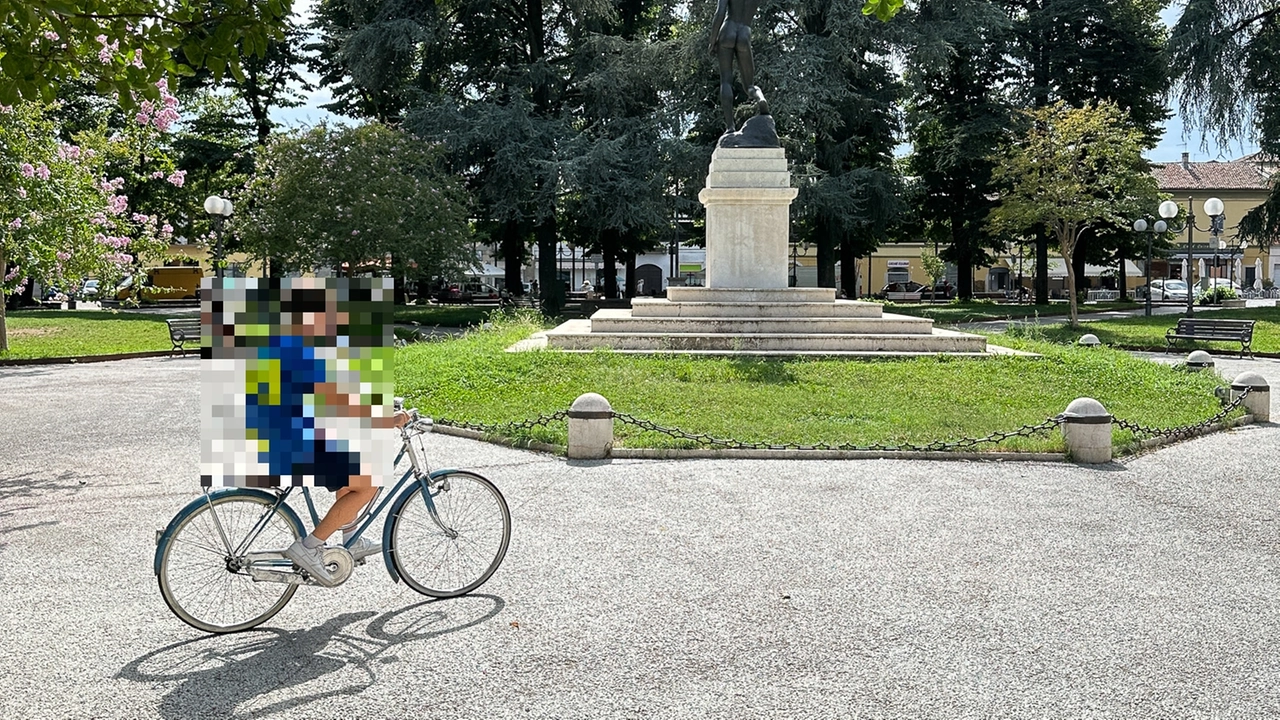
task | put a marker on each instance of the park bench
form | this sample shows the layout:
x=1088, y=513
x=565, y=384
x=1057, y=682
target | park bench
x=1240, y=331
x=182, y=331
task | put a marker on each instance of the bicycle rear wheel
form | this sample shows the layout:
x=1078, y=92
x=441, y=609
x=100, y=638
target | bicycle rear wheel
x=448, y=539
x=206, y=583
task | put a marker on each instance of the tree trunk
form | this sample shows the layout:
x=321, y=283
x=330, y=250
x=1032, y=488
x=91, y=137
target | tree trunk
x=4, y=328
x=1071, y=285
x=551, y=289
x=513, y=253
x=848, y=269
x=609, y=254
x=1124, y=289
x=826, y=261
x=960, y=252
x=631, y=274
x=1042, y=266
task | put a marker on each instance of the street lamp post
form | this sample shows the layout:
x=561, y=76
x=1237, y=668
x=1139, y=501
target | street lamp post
x=1214, y=209
x=1160, y=226
x=220, y=209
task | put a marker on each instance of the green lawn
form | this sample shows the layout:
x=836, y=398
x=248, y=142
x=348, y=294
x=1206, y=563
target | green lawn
x=70, y=333
x=977, y=311
x=1148, y=332
x=802, y=401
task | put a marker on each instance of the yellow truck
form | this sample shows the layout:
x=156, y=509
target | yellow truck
x=165, y=283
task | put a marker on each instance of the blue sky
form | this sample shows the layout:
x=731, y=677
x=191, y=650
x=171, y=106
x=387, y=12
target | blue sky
x=1177, y=139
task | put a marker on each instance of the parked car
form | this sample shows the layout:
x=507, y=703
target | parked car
x=90, y=288
x=903, y=291
x=1165, y=290
x=1209, y=284
x=467, y=292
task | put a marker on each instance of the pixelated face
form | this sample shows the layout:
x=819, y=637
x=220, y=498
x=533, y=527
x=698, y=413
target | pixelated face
x=294, y=380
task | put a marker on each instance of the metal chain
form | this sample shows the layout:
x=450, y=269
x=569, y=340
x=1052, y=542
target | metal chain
x=507, y=427
x=706, y=440
x=1185, y=431
x=961, y=444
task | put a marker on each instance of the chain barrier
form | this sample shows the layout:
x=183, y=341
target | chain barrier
x=506, y=428
x=706, y=440
x=1186, y=431
x=959, y=445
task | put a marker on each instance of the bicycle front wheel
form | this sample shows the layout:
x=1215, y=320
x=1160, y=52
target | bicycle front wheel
x=447, y=539
x=206, y=583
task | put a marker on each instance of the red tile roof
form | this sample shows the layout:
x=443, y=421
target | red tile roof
x=1244, y=174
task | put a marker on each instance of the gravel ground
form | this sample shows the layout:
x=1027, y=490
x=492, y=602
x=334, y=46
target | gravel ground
x=713, y=588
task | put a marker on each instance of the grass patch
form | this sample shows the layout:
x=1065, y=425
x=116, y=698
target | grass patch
x=58, y=333
x=978, y=311
x=1148, y=332
x=472, y=379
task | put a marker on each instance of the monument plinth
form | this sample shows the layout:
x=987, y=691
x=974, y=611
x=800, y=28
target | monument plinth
x=748, y=199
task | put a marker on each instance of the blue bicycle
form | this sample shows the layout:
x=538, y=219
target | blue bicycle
x=221, y=565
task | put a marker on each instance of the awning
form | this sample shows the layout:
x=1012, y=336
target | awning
x=1057, y=268
x=690, y=267
x=485, y=270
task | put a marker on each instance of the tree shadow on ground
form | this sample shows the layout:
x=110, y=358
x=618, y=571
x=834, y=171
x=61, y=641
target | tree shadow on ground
x=764, y=371
x=265, y=672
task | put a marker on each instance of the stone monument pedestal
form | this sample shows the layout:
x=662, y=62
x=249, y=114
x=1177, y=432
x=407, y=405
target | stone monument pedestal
x=747, y=307
x=748, y=199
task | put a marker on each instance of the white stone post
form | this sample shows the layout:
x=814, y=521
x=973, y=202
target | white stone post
x=748, y=199
x=1258, y=401
x=1086, y=427
x=590, y=427
x=1199, y=360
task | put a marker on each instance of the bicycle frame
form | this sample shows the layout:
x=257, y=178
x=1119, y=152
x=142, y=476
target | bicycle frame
x=416, y=473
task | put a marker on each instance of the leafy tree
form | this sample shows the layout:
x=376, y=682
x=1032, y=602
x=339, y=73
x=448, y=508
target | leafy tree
x=125, y=46
x=1076, y=169
x=957, y=122
x=1081, y=51
x=1229, y=53
x=348, y=198
x=61, y=219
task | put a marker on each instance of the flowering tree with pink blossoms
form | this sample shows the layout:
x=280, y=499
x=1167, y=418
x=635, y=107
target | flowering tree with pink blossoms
x=125, y=47
x=61, y=218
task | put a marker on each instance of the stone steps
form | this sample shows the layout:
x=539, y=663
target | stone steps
x=622, y=321
x=569, y=337
x=658, y=307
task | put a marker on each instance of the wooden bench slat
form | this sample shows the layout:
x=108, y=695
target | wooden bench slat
x=1223, y=330
x=182, y=331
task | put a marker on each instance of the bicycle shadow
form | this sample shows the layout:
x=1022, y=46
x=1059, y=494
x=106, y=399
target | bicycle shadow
x=264, y=672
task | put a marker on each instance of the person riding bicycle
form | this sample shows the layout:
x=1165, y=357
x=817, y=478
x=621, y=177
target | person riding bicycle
x=294, y=445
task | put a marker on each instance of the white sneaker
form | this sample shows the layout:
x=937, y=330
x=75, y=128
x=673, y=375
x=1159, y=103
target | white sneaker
x=311, y=560
x=363, y=548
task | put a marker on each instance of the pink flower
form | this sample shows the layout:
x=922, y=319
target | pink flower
x=137, y=59
x=43, y=171
x=64, y=256
x=178, y=178
x=27, y=170
x=12, y=273
x=142, y=118
x=355, y=232
x=67, y=151
x=167, y=229
x=51, y=35
x=117, y=204
x=17, y=223
x=101, y=39
x=22, y=193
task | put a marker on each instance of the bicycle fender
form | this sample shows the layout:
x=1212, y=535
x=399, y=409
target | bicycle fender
x=395, y=511
x=162, y=542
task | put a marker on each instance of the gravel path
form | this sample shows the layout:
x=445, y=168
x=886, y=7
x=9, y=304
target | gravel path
x=715, y=588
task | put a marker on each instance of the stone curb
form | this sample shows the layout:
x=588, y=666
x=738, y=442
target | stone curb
x=94, y=358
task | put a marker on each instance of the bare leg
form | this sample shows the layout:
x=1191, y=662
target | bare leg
x=747, y=66
x=346, y=507
x=726, y=87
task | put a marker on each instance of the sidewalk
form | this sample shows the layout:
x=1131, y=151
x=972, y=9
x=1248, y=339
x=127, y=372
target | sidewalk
x=1156, y=309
